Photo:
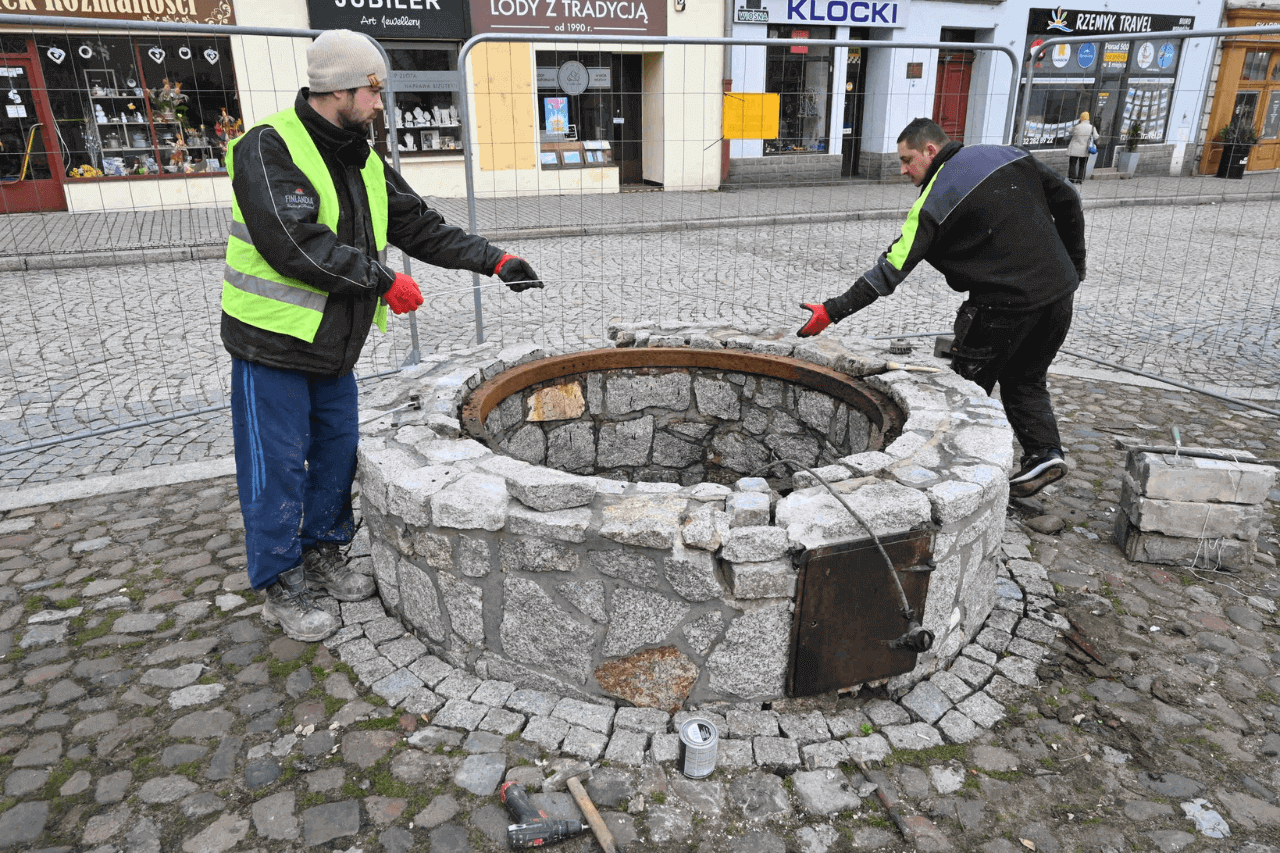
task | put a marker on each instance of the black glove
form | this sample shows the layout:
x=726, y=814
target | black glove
x=517, y=273
x=1080, y=271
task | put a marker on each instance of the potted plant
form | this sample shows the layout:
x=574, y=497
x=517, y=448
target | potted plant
x=1236, y=139
x=1127, y=159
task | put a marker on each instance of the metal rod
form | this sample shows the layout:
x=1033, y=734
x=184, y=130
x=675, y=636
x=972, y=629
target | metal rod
x=1172, y=382
x=904, y=605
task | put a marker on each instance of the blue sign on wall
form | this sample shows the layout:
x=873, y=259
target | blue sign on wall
x=1086, y=54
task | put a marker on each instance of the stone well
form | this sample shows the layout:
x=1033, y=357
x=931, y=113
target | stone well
x=599, y=524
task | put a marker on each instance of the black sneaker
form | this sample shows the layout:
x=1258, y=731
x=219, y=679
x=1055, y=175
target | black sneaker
x=1036, y=473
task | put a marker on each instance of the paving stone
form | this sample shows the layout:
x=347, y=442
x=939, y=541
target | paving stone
x=42, y=750
x=493, y=693
x=274, y=818
x=480, y=774
x=626, y=747
x=366, y=748
x=532, y=703
x=19, y=783
x=166, y=789
x=223, y=834
x=597, y=718
x=441, y=809
x=782, y=753
x=196, y=694
x=584, y=743
x=458, y=685
x=95, y=724
x=913, y=736
x=397, y=686
x=460, y=714
x=261, y=771
x=759, y=795
x=824, y=791
x=502, y=722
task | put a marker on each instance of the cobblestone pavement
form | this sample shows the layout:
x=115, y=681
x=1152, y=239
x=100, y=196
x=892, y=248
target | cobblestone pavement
x=144, y=705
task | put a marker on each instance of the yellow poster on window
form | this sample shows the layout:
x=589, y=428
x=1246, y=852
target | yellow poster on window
x=751, y=115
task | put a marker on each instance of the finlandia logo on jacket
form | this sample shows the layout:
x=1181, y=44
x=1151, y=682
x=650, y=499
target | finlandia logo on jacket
x=1059, y=21
x=299, y=198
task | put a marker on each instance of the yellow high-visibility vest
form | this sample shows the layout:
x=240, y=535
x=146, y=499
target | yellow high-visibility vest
x=252, y=291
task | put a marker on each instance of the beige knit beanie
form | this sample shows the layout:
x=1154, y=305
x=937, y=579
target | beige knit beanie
x=342, y=59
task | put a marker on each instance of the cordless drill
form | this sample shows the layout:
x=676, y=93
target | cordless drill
x=533, y=828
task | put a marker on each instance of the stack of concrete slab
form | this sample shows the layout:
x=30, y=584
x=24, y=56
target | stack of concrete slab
x=1179, y=508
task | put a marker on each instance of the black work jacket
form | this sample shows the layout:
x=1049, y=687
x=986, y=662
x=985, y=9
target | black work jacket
x=996, y=222
x=345, y=264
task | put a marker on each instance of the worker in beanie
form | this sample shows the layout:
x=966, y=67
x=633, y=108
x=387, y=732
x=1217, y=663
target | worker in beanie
x=314, y=209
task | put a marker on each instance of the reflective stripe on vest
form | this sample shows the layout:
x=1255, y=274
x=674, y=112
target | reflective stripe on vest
x=252, y=290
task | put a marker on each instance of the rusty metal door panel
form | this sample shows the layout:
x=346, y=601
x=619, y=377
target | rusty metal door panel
x=847, y=611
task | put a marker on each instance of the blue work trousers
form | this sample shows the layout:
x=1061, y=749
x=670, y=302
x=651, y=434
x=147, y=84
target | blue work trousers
x=295, y=437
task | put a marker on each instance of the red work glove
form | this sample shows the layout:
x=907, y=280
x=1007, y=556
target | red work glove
x=404, y=295
x=819, y=321
x=517, y=273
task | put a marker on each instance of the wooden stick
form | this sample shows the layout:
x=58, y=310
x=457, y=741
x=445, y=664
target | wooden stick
x=603, y=835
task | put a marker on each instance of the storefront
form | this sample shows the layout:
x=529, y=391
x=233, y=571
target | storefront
x=1247, y=92
x=821, y=91
x=93, y=118
x=1125, y=81
x=856, y=101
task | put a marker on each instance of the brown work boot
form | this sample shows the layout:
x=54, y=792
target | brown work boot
x=289, y=603
x=327, y=569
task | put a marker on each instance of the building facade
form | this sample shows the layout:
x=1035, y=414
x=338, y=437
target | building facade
x=125, y=119
x=841, y=108
x=1247, y=90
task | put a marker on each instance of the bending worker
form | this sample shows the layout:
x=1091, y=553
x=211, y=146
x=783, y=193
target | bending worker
x=1001, y=225
x=314, y=207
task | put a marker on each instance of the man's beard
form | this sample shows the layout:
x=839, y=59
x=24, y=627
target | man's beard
x=356, y=126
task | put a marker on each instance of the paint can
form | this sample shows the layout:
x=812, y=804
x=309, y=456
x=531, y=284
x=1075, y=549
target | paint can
x=699, y=744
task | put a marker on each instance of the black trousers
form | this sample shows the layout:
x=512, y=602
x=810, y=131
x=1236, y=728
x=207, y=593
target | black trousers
x=1015, y=350
x=1075, y=168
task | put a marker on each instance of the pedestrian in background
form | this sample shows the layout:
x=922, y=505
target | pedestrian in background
x=1079, y=147
x=313, y=210
x=998, y=223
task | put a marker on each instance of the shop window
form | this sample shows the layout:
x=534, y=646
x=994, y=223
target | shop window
x=141, y=105
x=1256, y=63
x=1052, y=111
x=1246, y=108
x=1148, y=102
x=426, y=108
x=801, y=76
x=577, y=106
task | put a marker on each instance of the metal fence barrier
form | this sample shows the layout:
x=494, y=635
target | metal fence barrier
x=1182, y=275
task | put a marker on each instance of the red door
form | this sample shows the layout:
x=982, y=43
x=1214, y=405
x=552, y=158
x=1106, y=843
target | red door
x=951, y=98
x=31, y=165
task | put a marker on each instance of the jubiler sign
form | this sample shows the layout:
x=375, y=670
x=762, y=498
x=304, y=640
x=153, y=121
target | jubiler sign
x=434, y=19
x=184, y=11
x=602, y=17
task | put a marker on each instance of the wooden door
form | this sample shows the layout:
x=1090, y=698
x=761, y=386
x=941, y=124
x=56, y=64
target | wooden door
x=31, y=166
x=951, y=95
